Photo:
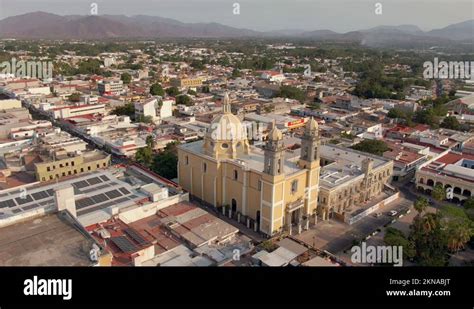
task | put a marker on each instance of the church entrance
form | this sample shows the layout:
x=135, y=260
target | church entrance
x=295, y=217
x=234, y=205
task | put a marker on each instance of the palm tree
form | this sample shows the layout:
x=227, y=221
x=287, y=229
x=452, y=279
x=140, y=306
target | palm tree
x=421, y=204
x=438, y=193
x=429, y=223
x=459, y=235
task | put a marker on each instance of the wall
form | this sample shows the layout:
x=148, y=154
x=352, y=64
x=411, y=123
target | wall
x=135, y=213
x=8, y=104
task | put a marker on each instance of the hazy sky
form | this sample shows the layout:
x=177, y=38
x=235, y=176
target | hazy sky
x=337, y=15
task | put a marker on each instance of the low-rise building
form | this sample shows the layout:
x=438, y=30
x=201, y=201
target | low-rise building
x=50, y=240
x=146, y=109
x=406, y=159
x=78, y=110
x=177, y=235
x=9, y=104
x=92, y=197
x=453, y=171
x=349, y=180
x=60, y=163
x=273, y=76
x=110, y=87
x=187, y=82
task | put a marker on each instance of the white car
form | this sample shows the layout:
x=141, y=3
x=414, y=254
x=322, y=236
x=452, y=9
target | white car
x=393, y=213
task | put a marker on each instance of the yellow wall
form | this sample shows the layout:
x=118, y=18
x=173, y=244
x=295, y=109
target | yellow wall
x=271, y=199
x=67, y=167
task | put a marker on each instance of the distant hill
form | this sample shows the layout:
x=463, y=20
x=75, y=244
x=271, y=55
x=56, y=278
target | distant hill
x=459, y=31
x=50, y=26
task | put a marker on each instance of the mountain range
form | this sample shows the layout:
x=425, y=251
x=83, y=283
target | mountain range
x=42, y=25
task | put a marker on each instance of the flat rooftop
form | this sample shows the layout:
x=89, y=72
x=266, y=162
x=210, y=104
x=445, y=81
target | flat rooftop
x=453, y=164
x=93, y=191
x=174, y=231
x=45, y=241
x=194, y=225
x=346, y=165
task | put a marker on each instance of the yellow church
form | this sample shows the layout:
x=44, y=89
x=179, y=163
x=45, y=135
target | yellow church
x=259, y=187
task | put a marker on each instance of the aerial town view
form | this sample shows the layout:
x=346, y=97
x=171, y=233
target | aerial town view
x=147, y=134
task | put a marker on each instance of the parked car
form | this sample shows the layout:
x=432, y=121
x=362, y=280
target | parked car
x=377, y=214
x=392, y=213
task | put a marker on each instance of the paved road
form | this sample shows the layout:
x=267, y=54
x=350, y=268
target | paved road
x=115, y=159
x=409, y=191
x=335, y=236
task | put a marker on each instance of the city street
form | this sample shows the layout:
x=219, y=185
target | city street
x=335, y=236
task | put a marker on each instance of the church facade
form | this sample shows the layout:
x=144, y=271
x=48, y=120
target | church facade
x=262, y=187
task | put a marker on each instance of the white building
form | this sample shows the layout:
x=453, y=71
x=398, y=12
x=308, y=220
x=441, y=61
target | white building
x=109, y=61
x=166, y=108
x=146, y=109
x=273, y=76
x=155, y=108
x=112, y=87
x=74, y=111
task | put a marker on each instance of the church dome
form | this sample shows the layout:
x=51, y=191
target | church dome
x=226, y=136
x=226, y=127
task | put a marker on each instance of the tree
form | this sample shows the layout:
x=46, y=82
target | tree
x=156, y=89
x=457, y=226
x=126, y=78
x=428, y=117
x=374, y=83
x=469, y=203
x=172, y=91
x=144, y=119
x=75, y=97
x=125, y=110
x=394, y=237
x=198, y=65
x=236, y=73
x=172, y=147
x=421, y=204
x=459, y=233
x=429, y=240
x=431, y=115
x=89, y=66
x=451, y=122
x=205, y=89
x=372, y=146
x=183, y=99
x=438, y=193
x=150, y=141
x=292, y=93
x=347, y=135
x=314, y=106
x=396, y=113
x=144, y=156
x=165, y=163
